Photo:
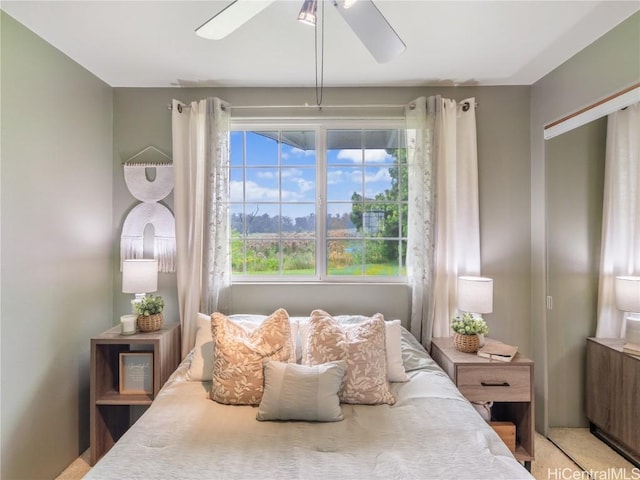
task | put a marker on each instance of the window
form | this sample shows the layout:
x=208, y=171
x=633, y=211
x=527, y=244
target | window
x=318, y=203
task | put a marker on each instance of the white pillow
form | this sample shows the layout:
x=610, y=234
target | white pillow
x=393, y=345
x=301, y=392
x=201, y=367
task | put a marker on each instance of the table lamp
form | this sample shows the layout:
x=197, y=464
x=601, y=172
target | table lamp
x=627, y=295
x=140, y=277
x=475, y=295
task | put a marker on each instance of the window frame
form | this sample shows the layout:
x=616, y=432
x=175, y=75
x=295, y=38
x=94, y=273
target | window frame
x=320, y=127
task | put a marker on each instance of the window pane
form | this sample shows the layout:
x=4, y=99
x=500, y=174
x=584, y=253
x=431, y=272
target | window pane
x=377, y=155
x=261, y=218
x=340, y=222
x=262, y=185
x=236, y=185
x=298, y=147
x=237, y=220
x=237, y=254
x=262, y=256
x=344, y=257
x=399, y=187
x=262, y=148
x=343, y=182
x=298, y=220
x=298, y=184
x=382, y=257
x=299, y=257
x=384, y=139
x=344, y=146
x=376, y=181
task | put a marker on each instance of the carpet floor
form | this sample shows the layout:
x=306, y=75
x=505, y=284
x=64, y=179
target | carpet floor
x=591, y=453
x=550, y=462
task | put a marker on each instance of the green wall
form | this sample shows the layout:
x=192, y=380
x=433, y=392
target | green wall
x=56, y=283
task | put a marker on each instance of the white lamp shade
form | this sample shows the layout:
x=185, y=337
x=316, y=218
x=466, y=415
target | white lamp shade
x=139, y=276
x=475, y=294
x=628, y=294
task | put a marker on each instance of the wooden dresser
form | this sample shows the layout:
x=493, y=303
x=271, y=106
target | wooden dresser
x=613, y=395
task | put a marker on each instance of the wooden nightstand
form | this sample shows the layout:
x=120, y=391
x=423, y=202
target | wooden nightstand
x=508, y=384
x=110, y=410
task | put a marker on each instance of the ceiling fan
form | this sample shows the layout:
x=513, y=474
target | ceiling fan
x=364, y=18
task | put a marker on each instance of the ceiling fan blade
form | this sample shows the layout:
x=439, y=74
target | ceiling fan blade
x=372, y=29
x=234, y=15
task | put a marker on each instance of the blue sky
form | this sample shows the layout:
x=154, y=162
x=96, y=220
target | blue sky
x=346, y=173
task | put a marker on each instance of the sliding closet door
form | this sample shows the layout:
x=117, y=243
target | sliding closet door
x=575, y=179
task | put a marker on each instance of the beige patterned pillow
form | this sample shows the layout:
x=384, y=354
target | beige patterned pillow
x=362, y=346
x=238, y=377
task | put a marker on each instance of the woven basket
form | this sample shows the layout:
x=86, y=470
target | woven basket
x=150, y=323
x=466, y=343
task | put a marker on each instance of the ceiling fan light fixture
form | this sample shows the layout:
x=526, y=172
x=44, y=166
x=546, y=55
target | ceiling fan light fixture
x=307, y=13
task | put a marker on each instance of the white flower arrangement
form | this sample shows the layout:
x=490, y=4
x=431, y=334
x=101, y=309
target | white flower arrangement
x=469, y=325
x=149, y=305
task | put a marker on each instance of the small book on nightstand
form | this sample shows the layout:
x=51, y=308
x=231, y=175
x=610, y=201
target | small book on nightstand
x=498, y=351
x=631, y=349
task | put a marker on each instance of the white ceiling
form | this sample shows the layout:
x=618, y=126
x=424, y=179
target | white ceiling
x=152, y=43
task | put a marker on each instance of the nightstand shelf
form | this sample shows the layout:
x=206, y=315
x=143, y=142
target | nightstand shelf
x=508, y=384
x=110, y=410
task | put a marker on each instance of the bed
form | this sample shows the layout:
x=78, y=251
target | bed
x=429, y=431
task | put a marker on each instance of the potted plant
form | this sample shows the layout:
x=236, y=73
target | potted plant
x=149, y=311
x=467, y=330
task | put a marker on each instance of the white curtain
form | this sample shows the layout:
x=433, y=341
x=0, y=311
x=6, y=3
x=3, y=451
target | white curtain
x=200, y=134
x=443, y=224
x=620, y=249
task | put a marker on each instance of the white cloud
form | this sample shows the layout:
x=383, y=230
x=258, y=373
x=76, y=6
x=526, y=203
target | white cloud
x=257, y=193
x=291, y=172
x=370, y=155
x=273, y=174
x=305, y=185
x=304, y=153
x=381, y=175
x=267, y=174
x=335, y=176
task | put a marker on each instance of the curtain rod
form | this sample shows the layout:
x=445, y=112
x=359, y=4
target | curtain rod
x=465, y=106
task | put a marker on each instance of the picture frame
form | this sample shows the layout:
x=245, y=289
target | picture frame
x=136, y=373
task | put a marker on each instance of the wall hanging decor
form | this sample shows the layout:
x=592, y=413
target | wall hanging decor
x=149, y=212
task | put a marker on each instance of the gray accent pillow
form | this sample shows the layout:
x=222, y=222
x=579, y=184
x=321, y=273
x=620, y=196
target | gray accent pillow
x=302, y=392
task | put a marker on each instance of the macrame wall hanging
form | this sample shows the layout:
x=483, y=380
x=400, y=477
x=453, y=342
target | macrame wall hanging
x=149, y=211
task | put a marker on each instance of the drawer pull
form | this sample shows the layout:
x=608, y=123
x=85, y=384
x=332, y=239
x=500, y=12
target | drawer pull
x=494, y=384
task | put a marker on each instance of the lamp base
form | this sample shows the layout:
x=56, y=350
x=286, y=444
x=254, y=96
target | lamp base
x=138, y=298
x=632, y=330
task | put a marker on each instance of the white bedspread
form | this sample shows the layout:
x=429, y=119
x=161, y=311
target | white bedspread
x=431, y=432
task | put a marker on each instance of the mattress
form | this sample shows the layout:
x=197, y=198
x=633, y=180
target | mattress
x=431, y=432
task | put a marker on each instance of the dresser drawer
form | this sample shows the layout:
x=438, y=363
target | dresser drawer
x=482, y=383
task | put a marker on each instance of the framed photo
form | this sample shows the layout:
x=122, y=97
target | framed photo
x=136, y=373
